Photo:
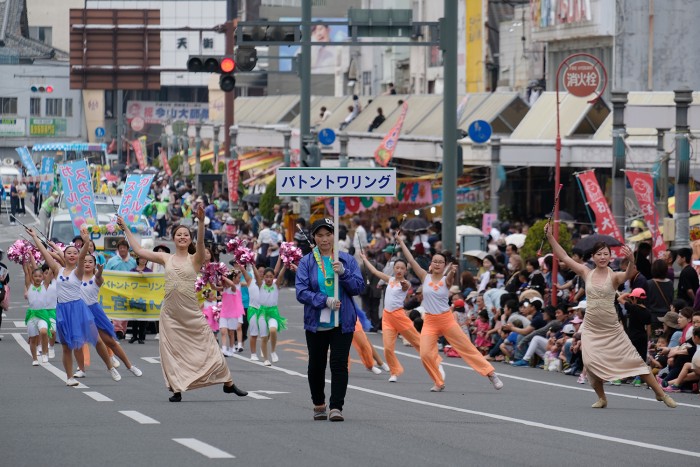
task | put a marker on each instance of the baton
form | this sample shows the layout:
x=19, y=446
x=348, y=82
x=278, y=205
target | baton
x=551, y=215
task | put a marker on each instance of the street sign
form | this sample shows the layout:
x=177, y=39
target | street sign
x=326, y=136
x=137, y=123
x=99, y=132
x=480, y=131
x=318, y=181
x=582, y=78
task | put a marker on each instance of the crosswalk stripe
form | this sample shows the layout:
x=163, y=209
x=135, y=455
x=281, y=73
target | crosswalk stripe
x=19, y=324
x=203, y=448
x=139, y=417
x=97, y=396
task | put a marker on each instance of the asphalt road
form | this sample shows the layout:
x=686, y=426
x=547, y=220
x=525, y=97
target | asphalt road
x=538, y=418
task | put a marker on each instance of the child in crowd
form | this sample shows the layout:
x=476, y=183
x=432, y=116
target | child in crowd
x=551, y=355
x=231, y=319
x=209, y=310
x=460, y=313
x=269, y=298
x=483, y=325
x=37, y=319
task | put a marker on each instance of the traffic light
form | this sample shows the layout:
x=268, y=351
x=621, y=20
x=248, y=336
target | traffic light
x=225, y=66
x=312, y=155
x=41, y=88
x=246, y=58
x=282, y=33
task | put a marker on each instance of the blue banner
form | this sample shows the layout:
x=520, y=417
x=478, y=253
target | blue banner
x=27, y=161
x=134, y=197
x=47, y=164
x=78, y=193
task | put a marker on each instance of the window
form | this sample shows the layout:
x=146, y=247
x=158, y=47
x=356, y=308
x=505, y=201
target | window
x=35, y=106
x=68, y=107
x=8, y=106
x=41, y=33
x=53, y=107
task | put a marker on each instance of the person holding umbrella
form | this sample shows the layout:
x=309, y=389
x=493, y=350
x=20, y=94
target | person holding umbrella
x=608, y=354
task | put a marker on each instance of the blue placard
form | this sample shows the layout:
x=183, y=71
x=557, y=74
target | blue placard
x=326, y=136
x=27, y=161
x=47, y=164
x=99, y=132
x=479, y=131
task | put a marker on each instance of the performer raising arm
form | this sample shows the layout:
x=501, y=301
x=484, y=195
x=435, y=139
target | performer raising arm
x=183, y=328
x=607, y=352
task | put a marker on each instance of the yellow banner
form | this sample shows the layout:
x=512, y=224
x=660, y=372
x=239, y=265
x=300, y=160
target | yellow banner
x=132, y=296
x=475, y=51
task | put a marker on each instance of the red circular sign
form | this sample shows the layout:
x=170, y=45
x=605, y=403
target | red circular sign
x=582, y=78
x=137, y=123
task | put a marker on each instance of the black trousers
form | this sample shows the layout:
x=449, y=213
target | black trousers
x=318, y=344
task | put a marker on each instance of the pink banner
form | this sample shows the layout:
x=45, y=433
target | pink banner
x=605, y=222
x=140, y=158
x=164, y=162
x=643, y=187
x=232, y=174
x=386, y=149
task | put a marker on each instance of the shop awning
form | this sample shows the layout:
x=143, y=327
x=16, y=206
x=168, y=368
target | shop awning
x=604, y=133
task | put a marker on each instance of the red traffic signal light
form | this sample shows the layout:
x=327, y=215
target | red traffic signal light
x=210, y=64
x=41, y=88
x=227, y=65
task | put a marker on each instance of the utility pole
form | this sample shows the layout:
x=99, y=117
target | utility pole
x=305, y=104
x=683, y=98
x=120, y=125
x=448, y=44
x=619, y=101
x=662, y=204
x=495, y=161
x=343, y=154
x=231, y=13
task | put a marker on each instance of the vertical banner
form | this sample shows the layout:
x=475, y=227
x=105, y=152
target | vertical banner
x=596, y=202
x=27, y=161
x=487, y=222
x=47, y=164
x=134, y=197
x=77, y=191
x=643, y=187
x=232, y=174
x=139, y=146
x=164, y=162
x=386, y=149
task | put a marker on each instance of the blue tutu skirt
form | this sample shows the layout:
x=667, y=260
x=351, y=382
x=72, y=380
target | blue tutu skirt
x=75, y=324
x=101, y=320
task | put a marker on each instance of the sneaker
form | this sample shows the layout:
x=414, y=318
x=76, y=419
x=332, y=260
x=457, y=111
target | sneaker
x=38, y=352
x=44, y=359
x=79, y=374
x=114, y=374
x=267, y=363
x=376, y=370
x=672, y=388
x=637, y=382
x=254, y=357
x=521, y=362
x=336, y=415
x=496, y=381
x=393, y=379
x=582, y=380
x=224, y=350
x=115, y=362
x=442, y=372
x=273, y=356
x=616, y=382
x=437, y=388
x=52, y=353
x=72, y=382
x=135, y=371
x=385, y=366
x=320, y=413
x=35, y=362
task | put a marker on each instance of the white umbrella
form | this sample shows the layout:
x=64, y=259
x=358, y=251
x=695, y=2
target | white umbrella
x=516, y=239
x=467, y=230
x=475, y=253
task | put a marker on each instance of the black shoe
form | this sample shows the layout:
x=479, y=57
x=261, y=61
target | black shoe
x=235, y=390
x=141, y=341
x=177, y=397
x=133, y=339
x=120, y=335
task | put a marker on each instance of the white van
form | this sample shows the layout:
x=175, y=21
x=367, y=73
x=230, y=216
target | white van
x=61, y=229
x=8, y=173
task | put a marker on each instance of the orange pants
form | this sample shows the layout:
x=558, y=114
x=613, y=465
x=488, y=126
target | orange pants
x=445, y=324
x=394, y=323
x=362, y=345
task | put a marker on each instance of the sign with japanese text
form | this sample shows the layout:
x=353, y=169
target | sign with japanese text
x=164, y=162
x=167, y=112
x=386, y=148
x=47, y=165
x=132, y=295
x=47, y=127
x=78, y=193
x=487, y=222
x=233, y=172
x=582, y=78
x=605, y=222
x=139, y=146
x=26, y=158
x=643, y=187
x=318, y=181
x=135, y=197
x=13, y=127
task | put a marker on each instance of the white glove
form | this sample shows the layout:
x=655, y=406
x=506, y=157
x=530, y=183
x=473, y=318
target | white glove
x=332, y=303
x=341, y=269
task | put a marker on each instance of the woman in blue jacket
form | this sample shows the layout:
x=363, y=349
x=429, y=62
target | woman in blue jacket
x=315, y=278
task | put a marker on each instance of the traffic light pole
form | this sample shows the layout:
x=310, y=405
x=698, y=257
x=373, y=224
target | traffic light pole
x=305, y=103
x=231, y=13
x=448, y=44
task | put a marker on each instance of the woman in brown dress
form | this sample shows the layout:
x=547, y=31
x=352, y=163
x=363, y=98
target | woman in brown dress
x=189, y=355
x=608, y=353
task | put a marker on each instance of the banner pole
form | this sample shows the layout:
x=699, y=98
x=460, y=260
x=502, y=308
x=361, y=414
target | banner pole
x=336, y=254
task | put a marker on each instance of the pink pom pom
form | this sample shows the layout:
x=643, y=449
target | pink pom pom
x=290, y=253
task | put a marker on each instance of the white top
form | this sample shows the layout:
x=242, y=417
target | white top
x=253, y=295
x=435, y=296
x=89, y=291
x=394, y=296
x=50, y=296
x=67, y=287
x=36, y=297
x=269, y=298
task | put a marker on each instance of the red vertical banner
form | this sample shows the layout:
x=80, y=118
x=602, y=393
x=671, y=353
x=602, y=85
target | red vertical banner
x=164, y=162
x=605, y=222
x=643, y=187
x=386, y=149
x=232, y=174
x=138, y=152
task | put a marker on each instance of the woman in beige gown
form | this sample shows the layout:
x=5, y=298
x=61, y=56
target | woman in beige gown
x=608, y=354
x=189, y=355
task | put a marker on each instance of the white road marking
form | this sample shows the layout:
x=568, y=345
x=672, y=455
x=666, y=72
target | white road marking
x=97, y=396
x=520, y=421
x=4, y=315
x=259, y=394
x=139, y=417
x=155, y=360
x=60, y=374
x=204, y=449
x=546, y=383
x=19, y=324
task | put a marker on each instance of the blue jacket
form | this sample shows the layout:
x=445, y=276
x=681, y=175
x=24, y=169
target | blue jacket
x=308, y=292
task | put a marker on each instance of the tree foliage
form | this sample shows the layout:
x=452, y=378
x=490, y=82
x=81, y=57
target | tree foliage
x=268, y=200
x=474, y=213
x=535, y=236
x=207, y=167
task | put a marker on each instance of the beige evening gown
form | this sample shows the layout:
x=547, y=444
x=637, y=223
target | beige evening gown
x=189, y=354
x=607, y=351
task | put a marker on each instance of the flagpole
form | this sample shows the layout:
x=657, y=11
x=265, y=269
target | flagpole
x=336, y=255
